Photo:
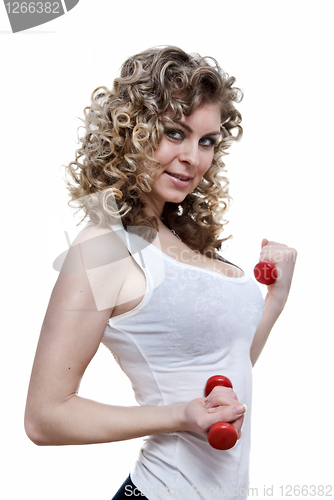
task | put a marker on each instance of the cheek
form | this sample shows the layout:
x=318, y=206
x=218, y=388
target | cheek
x=163, y=151
x=206, y=164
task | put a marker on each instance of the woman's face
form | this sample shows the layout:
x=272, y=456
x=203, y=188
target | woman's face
x=186, y=153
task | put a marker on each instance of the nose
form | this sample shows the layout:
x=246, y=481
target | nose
x=189, y=153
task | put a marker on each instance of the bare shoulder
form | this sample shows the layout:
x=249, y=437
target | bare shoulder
x=94, y=269
x=99, y=246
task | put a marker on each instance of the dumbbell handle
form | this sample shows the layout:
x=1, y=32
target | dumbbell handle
x=222, y=435
x=265, y=272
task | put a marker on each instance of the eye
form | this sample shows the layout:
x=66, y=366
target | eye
x=176, y=135
x=208, y=142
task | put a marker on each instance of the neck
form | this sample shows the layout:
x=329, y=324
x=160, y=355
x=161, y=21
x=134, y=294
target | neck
x=152, y=208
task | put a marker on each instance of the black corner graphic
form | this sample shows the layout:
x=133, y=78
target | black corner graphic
x=23, y=15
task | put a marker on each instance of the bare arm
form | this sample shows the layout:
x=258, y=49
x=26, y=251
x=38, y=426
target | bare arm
x=71, y=333
x=284, y=259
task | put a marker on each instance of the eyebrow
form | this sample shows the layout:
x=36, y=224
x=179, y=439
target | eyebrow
x=186, y=127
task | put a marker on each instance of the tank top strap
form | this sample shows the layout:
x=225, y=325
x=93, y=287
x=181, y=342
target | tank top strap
x=121, y=233
x=133, y=243
x=148, y=258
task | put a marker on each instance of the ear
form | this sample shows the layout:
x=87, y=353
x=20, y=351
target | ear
x=264, y=242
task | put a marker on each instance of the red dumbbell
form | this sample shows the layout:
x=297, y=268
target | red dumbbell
x=265, y=272
x=222, y=435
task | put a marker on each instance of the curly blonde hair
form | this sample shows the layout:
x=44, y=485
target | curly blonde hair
x=123, y=128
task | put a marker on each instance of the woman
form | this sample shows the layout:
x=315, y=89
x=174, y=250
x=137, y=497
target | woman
x=144, y=277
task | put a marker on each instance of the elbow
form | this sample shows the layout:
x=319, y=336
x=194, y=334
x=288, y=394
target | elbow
x=33, y=432
x=36, y=430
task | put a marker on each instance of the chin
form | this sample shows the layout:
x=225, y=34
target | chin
x=176, y=199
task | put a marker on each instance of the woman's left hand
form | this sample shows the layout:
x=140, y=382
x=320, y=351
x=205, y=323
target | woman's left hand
x=284, y=258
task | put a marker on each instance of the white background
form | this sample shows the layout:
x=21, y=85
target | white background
x=281, y=182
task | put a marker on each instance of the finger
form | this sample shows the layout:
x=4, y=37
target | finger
x=264, y=242
x=275, y=243
x=221, y=399
x=227, y=413
x=238, y=425
x=278, y=253
x=221, y=395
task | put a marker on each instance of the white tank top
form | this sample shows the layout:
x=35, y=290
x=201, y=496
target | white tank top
x=191, y=324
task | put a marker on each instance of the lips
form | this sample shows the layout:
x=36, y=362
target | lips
x=179, y=176
x=180, y=181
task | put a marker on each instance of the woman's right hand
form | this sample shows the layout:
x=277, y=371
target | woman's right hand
x=221, y=405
